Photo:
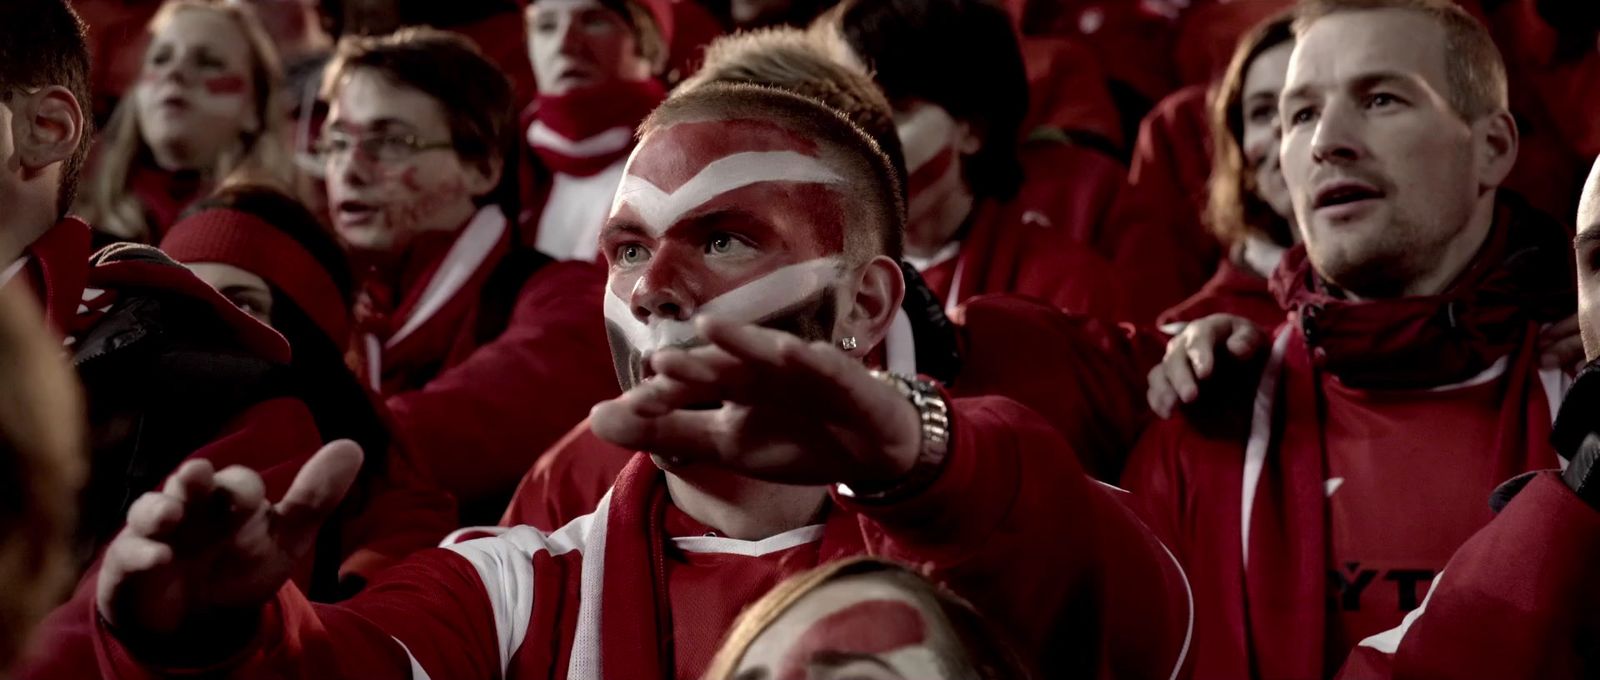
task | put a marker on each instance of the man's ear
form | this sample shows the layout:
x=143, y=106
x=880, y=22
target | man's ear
x=1497, y=148
x=878, y=294
x=484, y=176
x=969, y=138
x=49, y=126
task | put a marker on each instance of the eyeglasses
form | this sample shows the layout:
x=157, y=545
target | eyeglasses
x=384, y=148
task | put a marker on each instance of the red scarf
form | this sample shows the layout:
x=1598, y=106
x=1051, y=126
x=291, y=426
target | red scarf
x=587, y=130
x=58, y=270
x=635, y=572
x=389, y=295
x=1522, y=273
x=164, y=195
x=1521, y=277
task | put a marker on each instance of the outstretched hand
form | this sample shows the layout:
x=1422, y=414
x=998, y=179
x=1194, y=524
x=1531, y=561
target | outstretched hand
x=210, y=547
x=1192, y=355
x=768, y=405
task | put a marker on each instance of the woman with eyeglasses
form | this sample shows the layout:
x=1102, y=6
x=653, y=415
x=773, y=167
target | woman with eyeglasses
x=206, y=107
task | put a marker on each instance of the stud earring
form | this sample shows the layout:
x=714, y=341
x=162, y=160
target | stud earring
x=847, y=343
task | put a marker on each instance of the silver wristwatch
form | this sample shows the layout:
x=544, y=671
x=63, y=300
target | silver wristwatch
x=934, y=413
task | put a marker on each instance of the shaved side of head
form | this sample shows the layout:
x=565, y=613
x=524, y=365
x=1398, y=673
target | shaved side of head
x=876, y=215
x=802, y=62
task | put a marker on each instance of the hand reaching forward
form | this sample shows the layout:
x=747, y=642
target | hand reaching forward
x=1192, y=354
x=767, y=405
x=209, y=547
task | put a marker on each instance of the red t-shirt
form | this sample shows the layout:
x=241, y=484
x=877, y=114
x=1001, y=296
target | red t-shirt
x=1399, y=504
x=706, y=585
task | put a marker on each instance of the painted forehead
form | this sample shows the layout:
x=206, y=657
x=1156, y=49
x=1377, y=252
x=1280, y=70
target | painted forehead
x=686, y=166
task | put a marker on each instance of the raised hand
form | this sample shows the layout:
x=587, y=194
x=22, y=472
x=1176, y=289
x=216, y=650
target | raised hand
x=1192, y=354
x=767, y=405
x=209, y=549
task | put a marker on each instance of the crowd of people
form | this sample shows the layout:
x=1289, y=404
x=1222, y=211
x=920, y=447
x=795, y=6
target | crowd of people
x=793, y=339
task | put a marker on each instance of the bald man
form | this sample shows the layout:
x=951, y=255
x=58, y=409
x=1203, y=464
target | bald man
x=752, y=265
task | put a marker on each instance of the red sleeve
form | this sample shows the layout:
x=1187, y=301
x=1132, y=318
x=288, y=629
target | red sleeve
x=1085, y=284
x=1074, y=186
x=567, y=482
x=273, y=437
x=1163, y=250
x=1154, y=476
x=1015, y=525
x=515, y=396
x=404, y=513
x=1517, y=600
x=430, y=613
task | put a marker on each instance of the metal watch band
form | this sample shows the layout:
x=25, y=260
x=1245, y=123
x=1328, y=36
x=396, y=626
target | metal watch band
x=934, y=413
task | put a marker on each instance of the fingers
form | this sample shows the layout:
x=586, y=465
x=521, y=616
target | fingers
x=133, y=554
x=750, y=342
x=321, y=484
x=1178, y=370
x=666, y=434
x=705, y=365
x=1245, y=340
x=244, y=489
x=1563, y=354
x=128, y=556
x=1561, y=344
x=154, y=515
x=1161, y=396
x=1561, y=329
x=192, y=481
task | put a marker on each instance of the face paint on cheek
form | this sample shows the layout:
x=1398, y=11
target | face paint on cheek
x=929, y=173
x=408, y=179
x=875, y=627
x=779, y=297
x=228, y=85
x=418, y=205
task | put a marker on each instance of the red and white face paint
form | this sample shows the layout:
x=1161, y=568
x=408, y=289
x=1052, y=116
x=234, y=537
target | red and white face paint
x=397, y=176
x=859, y=627
x=741, y=219
x=195, y=98
x=932, y=140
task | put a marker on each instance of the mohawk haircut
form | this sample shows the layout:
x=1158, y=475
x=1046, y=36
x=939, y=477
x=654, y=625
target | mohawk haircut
x=42, y=44
x=798, y=61
x=875, y=190
x=1474, y=69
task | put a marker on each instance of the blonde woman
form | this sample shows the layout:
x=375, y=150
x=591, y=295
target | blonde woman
x=865, y=618
x=206, y=107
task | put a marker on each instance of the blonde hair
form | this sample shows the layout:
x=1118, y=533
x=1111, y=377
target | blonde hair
x=42, y=466
x=1234, y=211
x=974, y=642
x=261, y=158
x=802, y=62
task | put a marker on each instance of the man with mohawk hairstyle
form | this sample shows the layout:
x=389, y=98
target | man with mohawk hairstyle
x=1055, y=363
x=752, y=255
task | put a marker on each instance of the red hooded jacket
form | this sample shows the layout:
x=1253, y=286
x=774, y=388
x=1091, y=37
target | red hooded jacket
x=1379, y=430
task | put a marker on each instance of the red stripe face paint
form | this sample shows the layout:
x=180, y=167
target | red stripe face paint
x=705, y=211
x=871, y=627
x=226, y=85
x=928, y=175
